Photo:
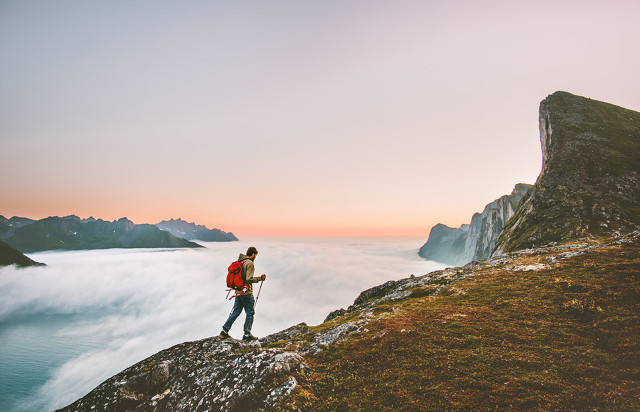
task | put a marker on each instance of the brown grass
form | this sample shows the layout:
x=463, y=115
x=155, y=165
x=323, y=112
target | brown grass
x=566, y=337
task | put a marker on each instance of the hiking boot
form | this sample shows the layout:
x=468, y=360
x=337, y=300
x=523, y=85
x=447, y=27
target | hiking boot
x=224, y=335
x=249, y=337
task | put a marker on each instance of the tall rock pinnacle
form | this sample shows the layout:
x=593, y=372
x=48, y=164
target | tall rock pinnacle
x=590, y=179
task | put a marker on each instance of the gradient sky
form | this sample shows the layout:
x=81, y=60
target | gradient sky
x=290, y=117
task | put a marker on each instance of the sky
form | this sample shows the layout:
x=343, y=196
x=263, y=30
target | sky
x=290, y=118
x=67, y=341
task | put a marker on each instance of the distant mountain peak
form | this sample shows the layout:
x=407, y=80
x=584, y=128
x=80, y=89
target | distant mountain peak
x=192, y=231
x=73, y=233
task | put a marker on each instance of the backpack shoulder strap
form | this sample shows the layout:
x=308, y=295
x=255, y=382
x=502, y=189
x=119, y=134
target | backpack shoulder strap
x=244, y=269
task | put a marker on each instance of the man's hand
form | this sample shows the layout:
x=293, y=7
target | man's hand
x=263, y=277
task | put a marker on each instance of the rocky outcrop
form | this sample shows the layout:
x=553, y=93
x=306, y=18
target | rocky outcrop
x=208, y=375
x=191, y=231
x=590, y=179
x=446, y=244
x=73, y=233
x=12, y=256
x=476, y=240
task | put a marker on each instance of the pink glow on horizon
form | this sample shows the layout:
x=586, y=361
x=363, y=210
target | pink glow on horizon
x=335, y=118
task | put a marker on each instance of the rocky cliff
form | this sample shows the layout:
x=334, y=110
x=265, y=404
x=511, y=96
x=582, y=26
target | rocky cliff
x=590, y=179
x=476, y=240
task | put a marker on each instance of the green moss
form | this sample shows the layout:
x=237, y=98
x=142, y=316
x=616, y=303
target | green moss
x=421, y=291
x=441, y=281
x=278, y=344
x=148, y=366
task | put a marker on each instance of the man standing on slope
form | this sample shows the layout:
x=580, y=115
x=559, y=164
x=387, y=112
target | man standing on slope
x=246, y=299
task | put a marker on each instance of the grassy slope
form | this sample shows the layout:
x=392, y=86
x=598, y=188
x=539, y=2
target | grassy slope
x=565, y=337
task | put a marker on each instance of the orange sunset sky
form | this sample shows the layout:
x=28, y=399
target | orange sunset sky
x=288, y=118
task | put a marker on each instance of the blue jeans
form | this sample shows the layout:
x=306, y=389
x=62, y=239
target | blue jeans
x=243, y=301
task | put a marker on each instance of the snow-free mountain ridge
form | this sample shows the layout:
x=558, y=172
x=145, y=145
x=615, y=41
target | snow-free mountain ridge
x=191, y=231
x=73, y=233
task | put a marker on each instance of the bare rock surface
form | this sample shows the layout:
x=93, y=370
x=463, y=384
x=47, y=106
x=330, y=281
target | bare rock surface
x=207, y=375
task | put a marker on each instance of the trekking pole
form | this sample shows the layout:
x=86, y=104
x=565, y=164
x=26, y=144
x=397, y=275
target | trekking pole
x=257, y=297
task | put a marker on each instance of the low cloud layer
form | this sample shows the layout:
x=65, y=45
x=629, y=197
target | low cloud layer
x=129, y=304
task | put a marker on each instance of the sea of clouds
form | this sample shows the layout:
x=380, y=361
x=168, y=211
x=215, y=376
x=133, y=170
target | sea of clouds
x=140, y=301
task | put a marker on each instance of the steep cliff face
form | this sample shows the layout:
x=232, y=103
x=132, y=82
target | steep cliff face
x=590, y=179
x=445, y=244
x=476, y=240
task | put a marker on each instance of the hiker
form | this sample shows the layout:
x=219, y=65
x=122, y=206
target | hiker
x=244, y=299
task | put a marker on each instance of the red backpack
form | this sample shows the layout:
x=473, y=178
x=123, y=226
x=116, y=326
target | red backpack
x=234, y=278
